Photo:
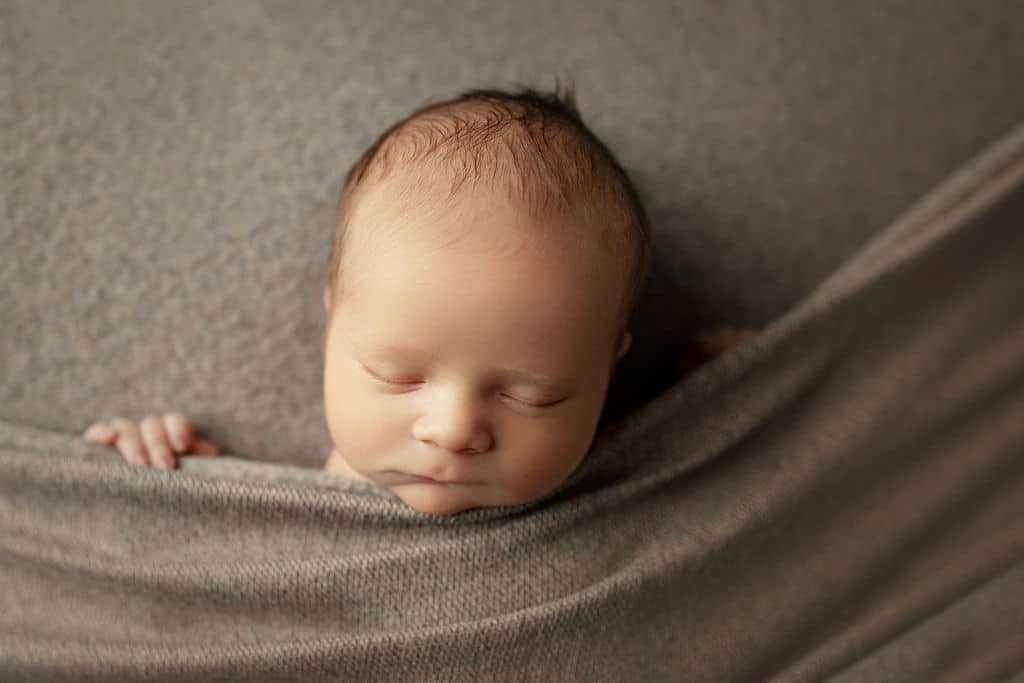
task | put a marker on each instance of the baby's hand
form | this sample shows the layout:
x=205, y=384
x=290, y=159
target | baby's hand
x=718, y=340
x=709, y=343
x=156, y=441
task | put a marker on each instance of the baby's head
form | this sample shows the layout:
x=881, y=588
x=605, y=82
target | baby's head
x=488, y=254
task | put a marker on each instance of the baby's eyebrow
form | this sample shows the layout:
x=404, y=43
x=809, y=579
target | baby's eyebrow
x=540, y=380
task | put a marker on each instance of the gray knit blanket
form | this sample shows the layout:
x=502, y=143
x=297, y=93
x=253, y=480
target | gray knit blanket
x=839, y=499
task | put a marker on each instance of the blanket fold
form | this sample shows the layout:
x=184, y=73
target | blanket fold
x=840, y=498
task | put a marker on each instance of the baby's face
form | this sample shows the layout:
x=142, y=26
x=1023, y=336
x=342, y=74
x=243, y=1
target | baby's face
x=456, y=375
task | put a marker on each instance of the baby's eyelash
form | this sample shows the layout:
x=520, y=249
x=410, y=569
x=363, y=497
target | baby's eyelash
x=537, y=405
x=388, y=381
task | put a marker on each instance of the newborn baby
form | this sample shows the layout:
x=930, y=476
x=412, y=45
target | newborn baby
x=488, y=254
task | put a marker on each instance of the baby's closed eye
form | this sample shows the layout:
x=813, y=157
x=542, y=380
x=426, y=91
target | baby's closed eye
x=532, y=402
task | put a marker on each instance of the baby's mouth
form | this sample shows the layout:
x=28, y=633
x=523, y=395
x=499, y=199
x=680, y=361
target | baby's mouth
x=396, y=477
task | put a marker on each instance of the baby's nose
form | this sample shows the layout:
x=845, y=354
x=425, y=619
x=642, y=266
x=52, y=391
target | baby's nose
x=474, y=445
x=458, y=434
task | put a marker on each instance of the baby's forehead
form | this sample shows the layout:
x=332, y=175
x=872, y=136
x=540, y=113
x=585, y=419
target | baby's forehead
x=509, y=302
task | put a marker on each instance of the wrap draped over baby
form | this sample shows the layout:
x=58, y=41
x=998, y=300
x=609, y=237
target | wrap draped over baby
x=839, y=498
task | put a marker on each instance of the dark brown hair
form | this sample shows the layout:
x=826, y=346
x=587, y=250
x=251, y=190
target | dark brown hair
x=533, y=143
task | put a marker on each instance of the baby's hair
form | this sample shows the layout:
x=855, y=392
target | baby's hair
x=534, y=144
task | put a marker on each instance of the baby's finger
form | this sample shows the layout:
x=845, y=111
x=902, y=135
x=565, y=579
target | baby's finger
x=179, y=431
x=129, y=443
x=203, y=447
x=152, y=428
x=100, y=433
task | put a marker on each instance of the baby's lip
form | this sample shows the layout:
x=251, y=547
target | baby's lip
x=439, y=481
x=423, y=477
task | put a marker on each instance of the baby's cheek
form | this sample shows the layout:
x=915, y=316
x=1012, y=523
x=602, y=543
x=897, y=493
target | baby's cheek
x=357, y=426
x=540, y=464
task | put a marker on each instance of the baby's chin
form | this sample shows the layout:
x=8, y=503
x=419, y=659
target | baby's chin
x=436, y=499
x=449, y=499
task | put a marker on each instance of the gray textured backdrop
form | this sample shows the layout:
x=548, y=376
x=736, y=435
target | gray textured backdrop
x=169, y=171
